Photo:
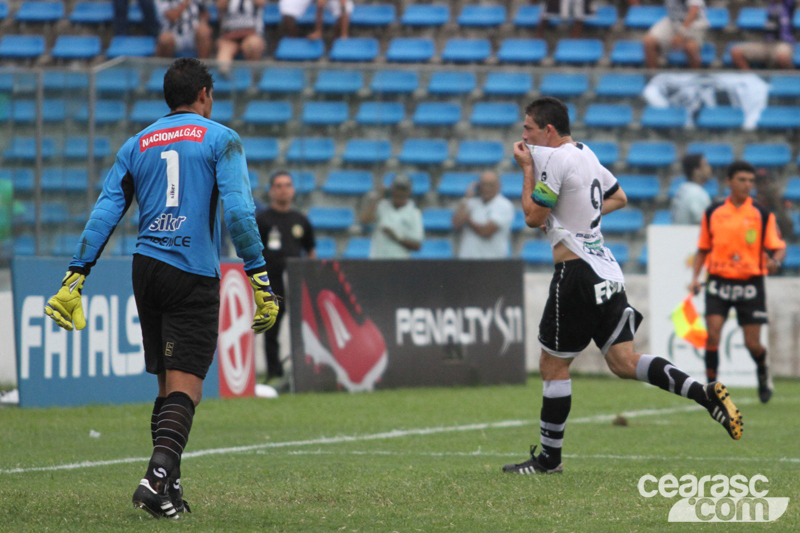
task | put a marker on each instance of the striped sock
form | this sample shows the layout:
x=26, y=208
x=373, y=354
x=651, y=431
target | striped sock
x=172, y=434
x=154, y=417
x=660, y=372
x=556, y=403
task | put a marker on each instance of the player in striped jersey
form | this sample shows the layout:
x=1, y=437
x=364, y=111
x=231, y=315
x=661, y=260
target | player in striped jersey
x=184, y=28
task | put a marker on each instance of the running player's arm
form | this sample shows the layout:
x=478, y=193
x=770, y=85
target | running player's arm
x=774, y=243
x=237, y=201
x=537, y=198
x=108, y=210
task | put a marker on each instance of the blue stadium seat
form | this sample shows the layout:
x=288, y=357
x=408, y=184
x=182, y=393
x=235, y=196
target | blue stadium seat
x=482, y=16
x=92, y=13
x=677, y=58
x=57, y=213
x=155, y=83
x=640, y=187
x=275, y=112
x=556, y=84
x=718, y=17
x=437, y=219
x=451, y=83
x=717, y=154
x=455, y=184
x=24, y=149
x=436, y=114
x=620, y=251
x=424, y=151
x=21, y=46
x=325, y=247
x=603, y=17
x=272, y=14
x=767, y=154
x=105, y=112
x=24, y=245
x=712, y=188
x=662, y=217
x=608, y=116
x=420, y=182
x=625, y=220
x=422, y=15
x=518, y=223
x=628, y=53
x=55, y=80
x=664, y=117
x=120, y=80
x=260, y=149
x=282, y=80
x=131, y=46
x=410, y=50
x=494, y=114
x=792, y=259
x=779, y=118
x=3, y=10
x=65, y=245
x=311, y=150
x=522, y=51
x=792, y=191
x=24, y=111
x=796, y=55
x=222, y=111
x=434, y=249
x=785, y=86
x=620, y=85
x=511, y=184
x=40, y=12
x=304, y=182
x=21, y=179
x=125, y=245
x=537, y=252
x=77, y=148
x=642, y=17
x=795, y=224
x=651, y=154
x=796, y=19
x=395, y=81
x=479, y=153
x=148, y=110
x=339, y=81
x=528, y=16
x=460, y=50
x=324, y=113
x=348, y=183
x=607, y=152
x=752, y=18
x=578, y=51
x=354, y=49
x=331, y=218
x=372, y=15
x=367, y=151
x=238, y=80
x=720, y=118
x=357, y=248
x=299, y=49
x=507, y=84
x=76, y=47
x=380, y=113
x=61, y=179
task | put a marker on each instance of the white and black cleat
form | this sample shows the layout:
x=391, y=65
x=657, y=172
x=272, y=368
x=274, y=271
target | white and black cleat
x=531, y=466
x=159, y=505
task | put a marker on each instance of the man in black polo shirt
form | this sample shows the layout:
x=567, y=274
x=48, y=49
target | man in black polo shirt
x=285, y=232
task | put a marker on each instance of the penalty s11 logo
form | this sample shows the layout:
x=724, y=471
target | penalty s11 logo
x=716, y=498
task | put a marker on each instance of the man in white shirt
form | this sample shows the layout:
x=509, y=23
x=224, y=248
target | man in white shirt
x=567, y=191
x=683, y=28
x=484, y=220
x=398, y=229
x=691, y=199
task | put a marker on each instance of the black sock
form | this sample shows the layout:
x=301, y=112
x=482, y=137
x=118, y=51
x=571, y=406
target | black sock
x=154, y=417
x=661, y=373
x=712, y=363
x=761, y=360
x=172, y=434
x=556, y=403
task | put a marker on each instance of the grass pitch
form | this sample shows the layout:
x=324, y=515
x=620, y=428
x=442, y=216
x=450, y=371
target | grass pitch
x=405, y=460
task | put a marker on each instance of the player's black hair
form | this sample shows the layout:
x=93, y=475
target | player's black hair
x=184, y=79
x=740, y=166
x=690, y=162
x=548, y=110
x=277, y=174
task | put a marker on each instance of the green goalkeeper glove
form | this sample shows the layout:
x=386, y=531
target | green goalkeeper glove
x=266, y=303
x=65, y=307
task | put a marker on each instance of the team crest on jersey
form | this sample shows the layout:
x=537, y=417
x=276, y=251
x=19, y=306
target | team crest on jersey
x=181, y=133
x=297, y=231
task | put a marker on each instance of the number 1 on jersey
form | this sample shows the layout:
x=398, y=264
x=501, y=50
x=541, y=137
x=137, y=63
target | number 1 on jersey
x=173, y=177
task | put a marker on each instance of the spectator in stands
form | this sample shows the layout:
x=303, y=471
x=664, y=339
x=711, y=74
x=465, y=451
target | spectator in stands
x=292, y=10
x=285, y=233
x=484, y=220
x=691, y=199
x=683, y=28
x=770, y=195
x=184, y=28
x=241, y=27
x=776, y=50
x=565, y=10
x=150, y=22
x=397, y=221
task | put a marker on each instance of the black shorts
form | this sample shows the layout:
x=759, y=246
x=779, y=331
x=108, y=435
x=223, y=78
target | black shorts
x=748, y=297
x=179, y=315
x=583, y=307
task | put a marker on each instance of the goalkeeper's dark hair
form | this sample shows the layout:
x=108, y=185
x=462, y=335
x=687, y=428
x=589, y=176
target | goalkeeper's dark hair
x=184, y=80
x=548, y=110
x=690, y=163
x=740, y=166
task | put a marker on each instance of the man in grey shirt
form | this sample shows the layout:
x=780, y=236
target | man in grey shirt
x=691, y=199
x=683, y=28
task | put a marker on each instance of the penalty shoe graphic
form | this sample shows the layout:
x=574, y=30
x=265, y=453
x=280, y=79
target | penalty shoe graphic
x=721, y=408
x=157, y=504
x=531, y=466
x=765, y=386
x=175, y=493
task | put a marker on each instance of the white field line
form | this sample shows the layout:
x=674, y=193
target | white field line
x=393, y=434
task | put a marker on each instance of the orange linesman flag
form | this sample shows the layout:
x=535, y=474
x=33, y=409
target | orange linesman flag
x=688, y=324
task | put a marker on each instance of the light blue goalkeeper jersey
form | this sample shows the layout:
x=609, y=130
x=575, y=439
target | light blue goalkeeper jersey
x=179, y=169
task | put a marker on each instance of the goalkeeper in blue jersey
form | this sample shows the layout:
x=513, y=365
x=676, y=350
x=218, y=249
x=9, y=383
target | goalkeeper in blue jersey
x=180, y=169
